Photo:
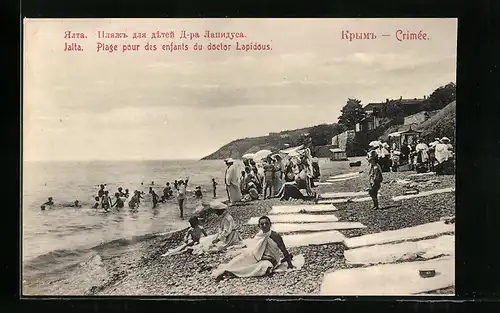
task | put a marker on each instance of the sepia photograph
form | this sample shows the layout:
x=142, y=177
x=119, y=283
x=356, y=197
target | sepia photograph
x=238, y=157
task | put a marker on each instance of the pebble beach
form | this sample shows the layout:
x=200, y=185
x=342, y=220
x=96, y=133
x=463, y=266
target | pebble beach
x=143, y=272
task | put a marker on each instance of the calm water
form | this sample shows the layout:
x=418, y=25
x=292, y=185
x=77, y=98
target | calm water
x=56, y=236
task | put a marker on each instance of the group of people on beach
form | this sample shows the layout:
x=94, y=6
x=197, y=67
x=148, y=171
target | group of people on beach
x=261, y=258
x=436, y=156
x=273, y=177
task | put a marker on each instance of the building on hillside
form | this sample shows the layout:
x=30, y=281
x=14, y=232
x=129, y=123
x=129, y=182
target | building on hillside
x=419, y=117
x=370, y=122
x=285, y=136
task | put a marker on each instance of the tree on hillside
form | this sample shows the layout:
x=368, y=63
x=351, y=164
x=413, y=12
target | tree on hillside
x=352, y=113
x=393, y=109
x=322, y=134
x=441, y=97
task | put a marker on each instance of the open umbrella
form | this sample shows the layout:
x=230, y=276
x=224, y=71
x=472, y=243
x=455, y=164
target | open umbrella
x=375, y=143
x=261, y=155
x=248, y=156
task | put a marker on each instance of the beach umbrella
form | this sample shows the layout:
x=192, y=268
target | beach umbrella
x=248, y=156
x=262, y=154
x=375, y=143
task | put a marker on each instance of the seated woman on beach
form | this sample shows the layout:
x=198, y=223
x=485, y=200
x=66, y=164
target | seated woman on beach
x=227, y=234
x=260, y=258
x=252, y=193
x=191, y=238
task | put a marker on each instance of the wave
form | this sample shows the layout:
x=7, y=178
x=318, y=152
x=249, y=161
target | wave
x=65, y=259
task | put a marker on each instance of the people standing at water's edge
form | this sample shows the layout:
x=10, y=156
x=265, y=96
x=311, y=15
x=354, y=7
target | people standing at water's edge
x=120, y=192
x=106, y=201
x=119, y=204
x=232, y=182
x=375, y=178
x=214, y=186
x=197, y=193
x=181, y=195
x=154, y=197
x=97, y=203
x=167, y=191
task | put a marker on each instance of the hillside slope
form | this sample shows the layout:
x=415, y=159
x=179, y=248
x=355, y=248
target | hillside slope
x=237, y=148
x=439, y=125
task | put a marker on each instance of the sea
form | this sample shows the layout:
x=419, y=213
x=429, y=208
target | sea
x=62, y=236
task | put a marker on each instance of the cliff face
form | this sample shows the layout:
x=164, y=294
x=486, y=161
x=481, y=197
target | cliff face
x=274, y=141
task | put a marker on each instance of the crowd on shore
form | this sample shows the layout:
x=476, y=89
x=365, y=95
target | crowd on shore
x=436, y=156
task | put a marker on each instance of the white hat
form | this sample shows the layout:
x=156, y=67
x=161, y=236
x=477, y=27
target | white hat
x=445, y=139
x=229, y=160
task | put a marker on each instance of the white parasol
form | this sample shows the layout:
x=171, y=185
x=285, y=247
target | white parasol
x=261, y=155
x=375, y=143
x=248, y=156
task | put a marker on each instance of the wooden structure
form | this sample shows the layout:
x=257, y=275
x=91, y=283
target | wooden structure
x=399, y=138
x=338, y=155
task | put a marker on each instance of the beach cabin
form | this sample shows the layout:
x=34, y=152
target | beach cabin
x=338, y=155
x=409, y=136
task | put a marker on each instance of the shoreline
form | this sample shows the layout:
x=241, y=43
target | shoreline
x=142, y=271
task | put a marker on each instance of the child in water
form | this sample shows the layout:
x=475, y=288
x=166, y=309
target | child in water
x=214, y=186
x=118, y=202
x=97, y=203
x=197, y=193
x=106, y=201
x=46, y=204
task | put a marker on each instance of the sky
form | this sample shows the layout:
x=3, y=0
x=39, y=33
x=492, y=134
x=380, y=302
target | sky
x=90, y=105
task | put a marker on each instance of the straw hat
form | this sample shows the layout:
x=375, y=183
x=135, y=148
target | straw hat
x=445, y=139
x=229, y=160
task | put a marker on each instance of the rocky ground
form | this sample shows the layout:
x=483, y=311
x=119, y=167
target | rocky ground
x=145, y=272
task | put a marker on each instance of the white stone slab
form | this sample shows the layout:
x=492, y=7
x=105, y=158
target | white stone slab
x=323, y=184
x=424, y=193
x=339, y=179
x=422, y=174
x=390, y=253
x=318, y=238
x=353, y=174
x=278, y=209
x=289, y=227
x=296, y=218
x=298, y=240
x=390, y=279
x=344, y=200
x=332, y=195
x=403, y=234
